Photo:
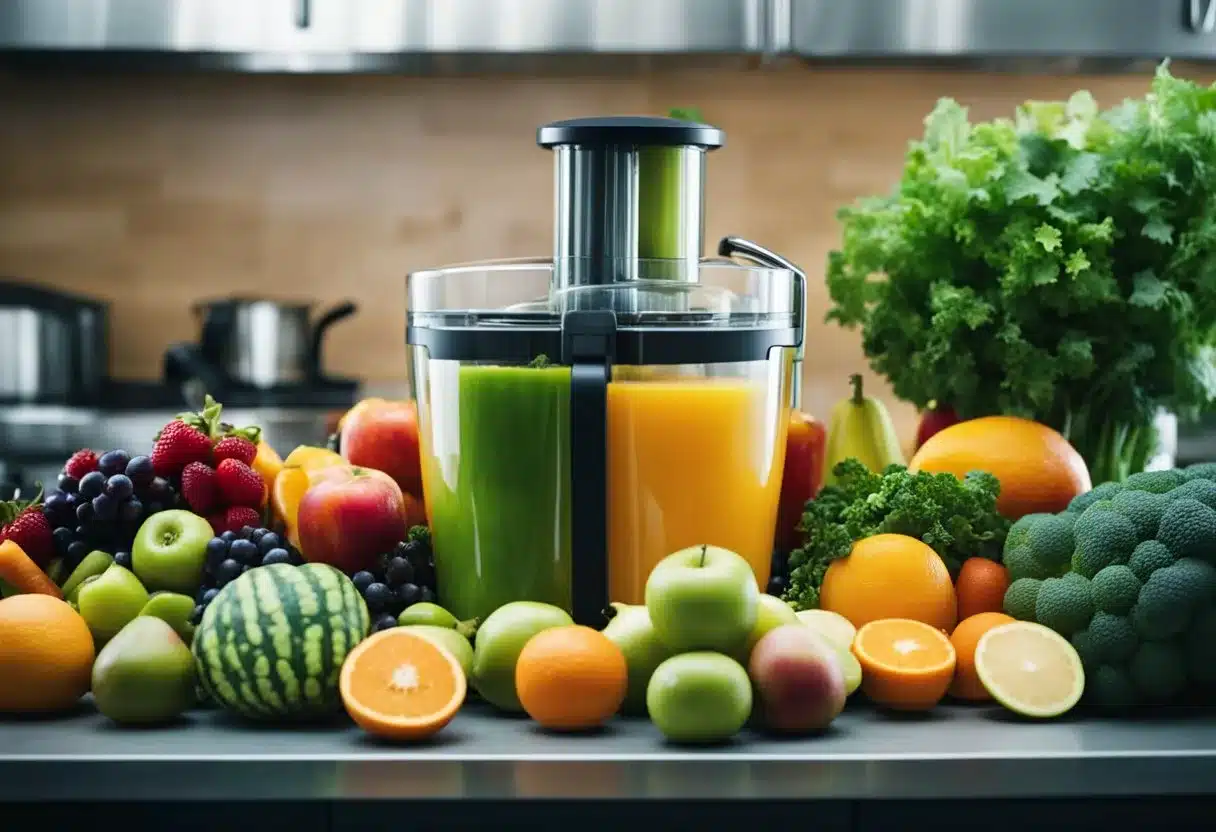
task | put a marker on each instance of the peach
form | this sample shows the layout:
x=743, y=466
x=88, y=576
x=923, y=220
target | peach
x=799, y=683
x=348, y=516
x=383, y=434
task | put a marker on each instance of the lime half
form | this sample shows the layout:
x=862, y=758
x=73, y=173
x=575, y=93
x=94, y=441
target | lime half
x=1030, y=669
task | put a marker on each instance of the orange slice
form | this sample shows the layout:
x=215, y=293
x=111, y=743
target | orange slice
x=267, y=463
x=905, y=665
x=399, y=685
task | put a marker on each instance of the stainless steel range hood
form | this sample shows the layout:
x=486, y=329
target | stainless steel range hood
x=389, y=35
x=1020, y=31
x=354, y=35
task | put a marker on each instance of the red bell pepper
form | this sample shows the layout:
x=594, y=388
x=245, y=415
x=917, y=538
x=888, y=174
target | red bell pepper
x=804, y=452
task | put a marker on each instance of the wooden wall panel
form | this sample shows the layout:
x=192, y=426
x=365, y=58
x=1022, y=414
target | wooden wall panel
x=157, y=191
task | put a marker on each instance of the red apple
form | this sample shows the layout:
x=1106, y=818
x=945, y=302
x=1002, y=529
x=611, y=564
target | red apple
x=349, y=516
x=383, y=434
x=936, y=418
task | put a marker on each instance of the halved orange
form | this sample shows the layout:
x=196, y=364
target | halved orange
x=399, y=685
x=906, y=665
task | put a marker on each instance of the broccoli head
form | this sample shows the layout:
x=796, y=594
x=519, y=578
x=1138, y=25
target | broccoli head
x=1128, y=574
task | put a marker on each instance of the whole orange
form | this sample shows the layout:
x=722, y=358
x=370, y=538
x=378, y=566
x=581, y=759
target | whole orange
x=890, y=576
x=571, y=678
x=46, y=655
x=980, y=587
x=966, y=636
x=1039, y=471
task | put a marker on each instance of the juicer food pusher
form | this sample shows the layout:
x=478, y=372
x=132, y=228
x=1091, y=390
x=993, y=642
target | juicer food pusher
x=626, y=288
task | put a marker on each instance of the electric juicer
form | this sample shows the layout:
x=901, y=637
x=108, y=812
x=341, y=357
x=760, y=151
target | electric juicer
x=585, y=415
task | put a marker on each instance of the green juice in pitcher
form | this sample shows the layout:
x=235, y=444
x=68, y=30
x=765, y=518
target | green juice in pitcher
x=497, y=483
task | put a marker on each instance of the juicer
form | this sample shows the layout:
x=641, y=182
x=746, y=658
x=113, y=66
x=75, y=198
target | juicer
x=584, y=414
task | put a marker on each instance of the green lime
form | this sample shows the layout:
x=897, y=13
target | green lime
x=500, y=640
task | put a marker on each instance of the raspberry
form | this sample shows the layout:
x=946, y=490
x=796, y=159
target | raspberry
x=80, y=463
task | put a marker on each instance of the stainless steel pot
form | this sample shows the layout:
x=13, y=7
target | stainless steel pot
x=56, y=346
x=266, y=343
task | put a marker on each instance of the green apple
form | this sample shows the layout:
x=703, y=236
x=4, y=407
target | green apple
x=449, y=639
x=703, y=598
x=831, y=625
x=94, y=563
x=699, y=698
x=110, y=601
x=632, y=631
x=174, y=609
x=170, y=550
x=145, y=674
x=771, y=613
x=500, y=640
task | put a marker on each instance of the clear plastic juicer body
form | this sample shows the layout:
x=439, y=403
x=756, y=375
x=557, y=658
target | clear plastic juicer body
x=695, y=452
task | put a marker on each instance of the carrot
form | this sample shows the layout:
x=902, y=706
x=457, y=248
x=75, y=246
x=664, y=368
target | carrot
x=23, y=574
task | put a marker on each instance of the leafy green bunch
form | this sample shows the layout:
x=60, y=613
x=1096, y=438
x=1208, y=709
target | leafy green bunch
x=1060, y=265
x=956, y=518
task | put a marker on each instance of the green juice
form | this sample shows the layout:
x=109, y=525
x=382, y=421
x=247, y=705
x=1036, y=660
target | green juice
x=499, y=497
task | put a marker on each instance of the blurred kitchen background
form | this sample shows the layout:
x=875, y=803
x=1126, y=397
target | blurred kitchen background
x=164, y=164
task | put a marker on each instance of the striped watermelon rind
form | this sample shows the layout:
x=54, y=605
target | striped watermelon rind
x=271, y=644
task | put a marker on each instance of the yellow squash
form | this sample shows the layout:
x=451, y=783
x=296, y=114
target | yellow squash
x=861, y=428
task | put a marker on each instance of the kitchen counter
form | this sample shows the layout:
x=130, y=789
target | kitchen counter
x=956, y=753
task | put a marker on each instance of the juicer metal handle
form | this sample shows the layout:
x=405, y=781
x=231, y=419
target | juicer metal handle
x=761, y=256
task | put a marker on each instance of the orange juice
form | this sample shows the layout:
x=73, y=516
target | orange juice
x=691, y=461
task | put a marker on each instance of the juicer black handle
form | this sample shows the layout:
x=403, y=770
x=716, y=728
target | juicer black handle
x=588, y=348
x=343, y=310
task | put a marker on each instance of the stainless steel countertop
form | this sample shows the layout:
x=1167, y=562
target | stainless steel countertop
x=954, y=753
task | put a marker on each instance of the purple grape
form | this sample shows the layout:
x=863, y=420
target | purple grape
x=120, y=487
x=113, y=462
x=139, y=469
x=92, y=484
x=131, y=512
x=105, y=507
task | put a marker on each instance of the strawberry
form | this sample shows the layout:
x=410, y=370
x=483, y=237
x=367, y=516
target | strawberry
x=80, y=463
x=199, y=487
x=177, y=446
x=25, y=525
x=234, y=518
x=235, y=447
x=239, y=485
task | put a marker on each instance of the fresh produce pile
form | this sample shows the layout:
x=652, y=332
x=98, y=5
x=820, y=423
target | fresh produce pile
x=1056, y=265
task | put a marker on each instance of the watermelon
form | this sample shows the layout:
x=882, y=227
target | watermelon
x=271, y=643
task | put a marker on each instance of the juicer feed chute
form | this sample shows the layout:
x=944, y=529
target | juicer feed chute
x=558, y=398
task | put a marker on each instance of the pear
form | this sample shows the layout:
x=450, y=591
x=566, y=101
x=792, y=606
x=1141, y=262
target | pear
x=632, y=631
x=144, y=675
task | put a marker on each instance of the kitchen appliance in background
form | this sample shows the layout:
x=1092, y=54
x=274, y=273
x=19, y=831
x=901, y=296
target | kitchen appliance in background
x=259, y=351
x=262, y=360
x=56, y=346
x=583, y=415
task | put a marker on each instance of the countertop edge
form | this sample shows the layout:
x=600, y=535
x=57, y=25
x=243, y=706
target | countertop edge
x=255, y=779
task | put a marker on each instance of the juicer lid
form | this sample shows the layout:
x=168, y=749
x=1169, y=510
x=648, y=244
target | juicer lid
x=508, y=313
x=647, y=131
